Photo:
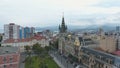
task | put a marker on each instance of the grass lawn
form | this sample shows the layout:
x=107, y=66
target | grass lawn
x=36, y=62
x=51, y=63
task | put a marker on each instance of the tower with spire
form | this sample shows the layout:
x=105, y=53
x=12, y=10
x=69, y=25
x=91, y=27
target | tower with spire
x=62, y=35
x=63, y=27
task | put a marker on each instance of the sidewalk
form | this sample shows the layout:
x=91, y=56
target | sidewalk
x=57, y=61
x=21, y=64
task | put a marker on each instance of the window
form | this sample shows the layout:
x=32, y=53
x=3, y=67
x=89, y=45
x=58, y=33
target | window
x=4, y=59
x=100, y=57
x=11, y=59
x=110, y=61
x=5, y=66
x=10, y=65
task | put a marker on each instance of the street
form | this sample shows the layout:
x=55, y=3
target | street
x=22, y=58
x=62, y=61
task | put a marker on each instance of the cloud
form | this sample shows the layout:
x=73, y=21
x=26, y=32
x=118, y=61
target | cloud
x=46, y=12
x=81, y=23
x=112, y=19
x=109, y=3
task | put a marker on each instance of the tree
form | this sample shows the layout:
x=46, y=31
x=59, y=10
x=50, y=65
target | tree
x=43, y=65
x=73, y=58
x=0, y=40
x=55, y=44
x=27, y=48
x=47, y=48
x=37, y=49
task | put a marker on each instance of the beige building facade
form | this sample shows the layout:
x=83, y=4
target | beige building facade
x=108, y=43
x=26, y=42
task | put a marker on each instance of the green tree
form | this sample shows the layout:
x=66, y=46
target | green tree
x=47, y=48
x=55, y=44
x=0, y=40
x=43, y=65
x=37, y=49
x=27, y=48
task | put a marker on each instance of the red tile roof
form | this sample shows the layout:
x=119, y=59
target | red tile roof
x=117, y=53
x=24, y=40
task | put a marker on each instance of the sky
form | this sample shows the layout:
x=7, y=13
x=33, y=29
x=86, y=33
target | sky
x=43, y=13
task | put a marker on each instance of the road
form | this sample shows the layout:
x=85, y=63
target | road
x=22, y=58
x=60, y=60
x=57, y=61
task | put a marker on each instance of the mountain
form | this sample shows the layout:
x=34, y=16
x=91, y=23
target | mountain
x=77, y=28
x=52, y=28
x=56, y=28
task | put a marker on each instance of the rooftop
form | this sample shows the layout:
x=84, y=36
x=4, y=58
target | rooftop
x=8, y=50
x=98, y=48
x=117, y=53
x=24, y=40
x=99, y=52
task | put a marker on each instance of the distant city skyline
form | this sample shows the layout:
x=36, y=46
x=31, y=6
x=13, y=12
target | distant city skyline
x=43, y=13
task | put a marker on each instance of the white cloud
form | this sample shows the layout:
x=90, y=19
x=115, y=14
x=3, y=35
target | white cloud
x=47, y=12
x=111, y=19
x=109, y=3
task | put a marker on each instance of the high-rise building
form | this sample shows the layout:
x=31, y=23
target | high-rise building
x=32, y=31
x=29, y=32
x=118, y=37
x=21, y=33
x=118, y=29
x=26, y=32
x=11, y=31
